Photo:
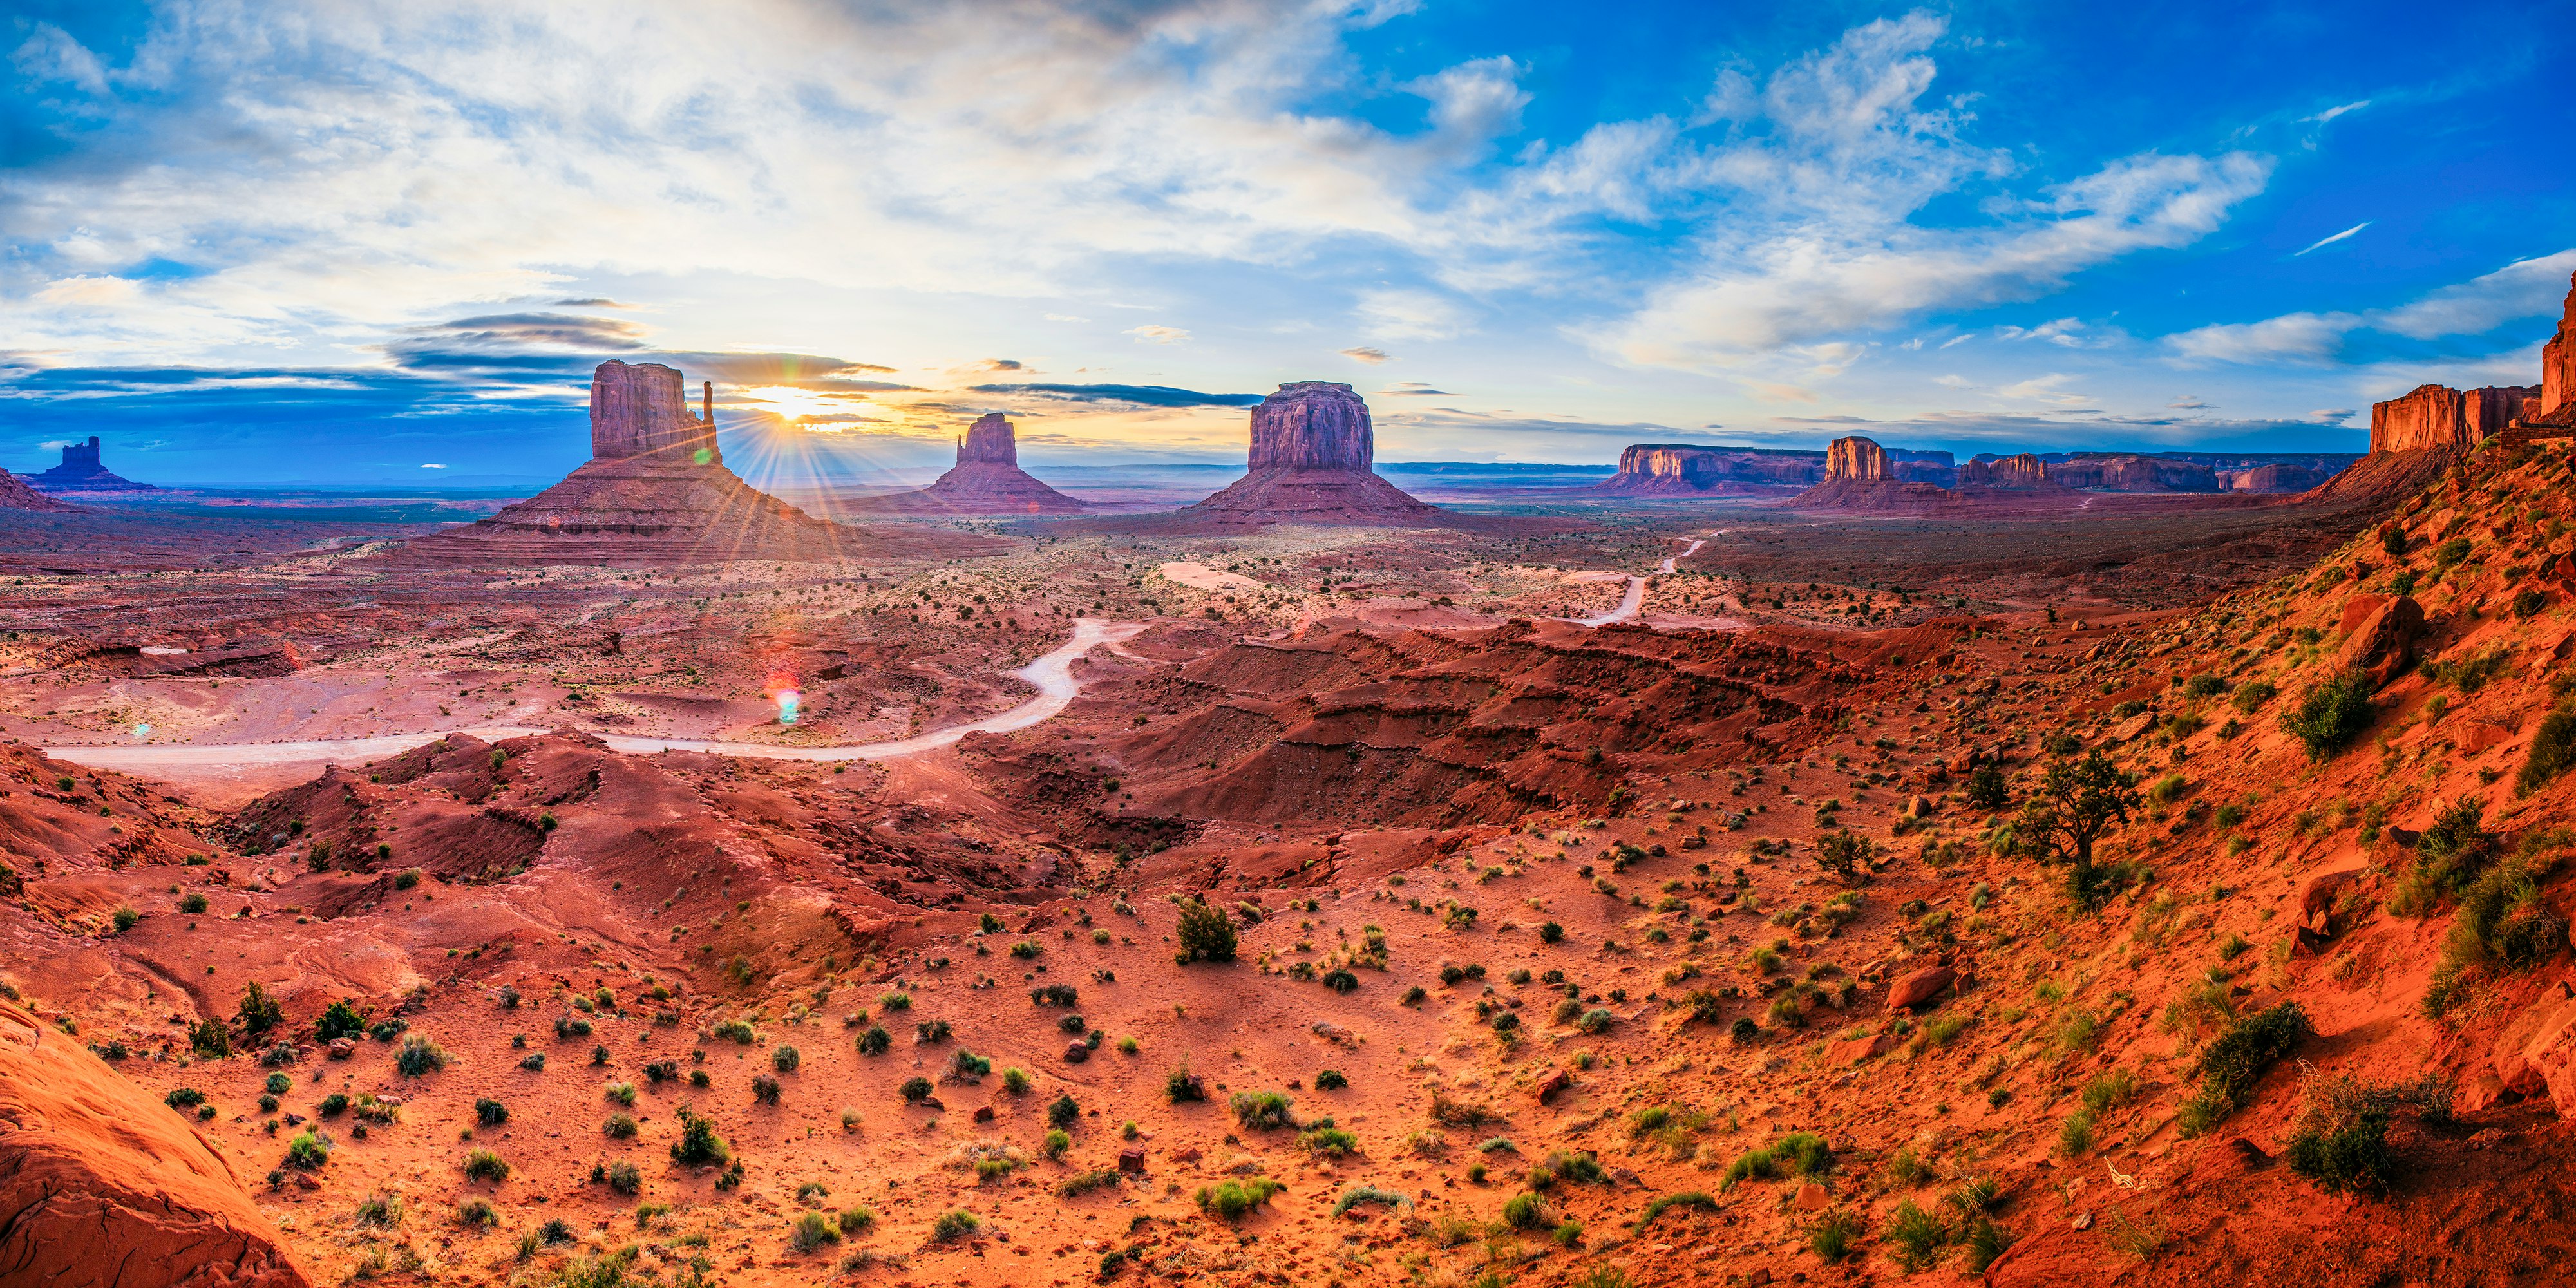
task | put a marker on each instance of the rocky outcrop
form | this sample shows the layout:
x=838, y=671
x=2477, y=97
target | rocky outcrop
x=16, y=495
x=987, y=479
x=2129, y=473
x=81, y=471
x=2022, y=473
x=639, y=409
x=1920, y=987
x=2279, y=476
x=2558, y=361
x=1858, y=459
x=2380, y=637
x=2439, y=418
x=655, y=494
x=1680, y=469
x=1313, y=448
x=101, y=1185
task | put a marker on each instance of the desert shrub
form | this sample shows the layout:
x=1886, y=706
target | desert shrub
x=925, y=1032
x=954, y=1224
x=1205, y=934
x=855, y=1219
x=1845, y=854
x=1831, y=1239
x=623, y=1177
x=418, y=1056
x=2237, y=1059
x=1064, y=1112
x=2553, y=752
x=765, y=1089
x=308, y=1150
x=490, y=1113
x=1328, y=1140
x=1583, y=1169
x=1331, y=1080
x=738, y=1031
x=2448, y=855
x=1744, y=1031
x=1985, y=1240
x=484, y=1165
x=333, y=1105
x=619, y=1127
x=2110, y=1091
x=208, y=1040
x=1181, y=1084
x=967, y=1065
x=2331, y=714
x=813, y=1230
x=1015, y=1080
x=2075, y=1135
x=621, y=1092
x=876, y=1041
x=2354, y=1156
x=1689, y=1199
x=785, y=1058
x=1527, y=1211
x=259, y=1012
x=1916, y=1238
x=1359, y=1194
x=478, y=1213
x=1262, y=1110
x=1796, y=1154
x=533, y=1062
x=1986, y=789
x=1230, y=1199
x=698, y=1144
x=1340, y=980
x=916, y=1088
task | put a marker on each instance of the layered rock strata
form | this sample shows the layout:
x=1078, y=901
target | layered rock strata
x=655, y=493
x=2021, y=473
x=1860, y=475
x=1312, y=461
x=2438, y=418
x=987, y=479
x=1684, y=469
x=2131, y=473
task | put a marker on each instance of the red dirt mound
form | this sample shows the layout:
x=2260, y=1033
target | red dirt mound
x=16, y=495
x=100, y=1185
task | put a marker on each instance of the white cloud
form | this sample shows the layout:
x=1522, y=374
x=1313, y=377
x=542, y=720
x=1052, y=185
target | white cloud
x=2330, y=239
x=2332, y=415
x=2523, y=289
x=1157, y=334
x=2189, y=402
x=1365, y=353
x=1817, y=237
x=1403, y=314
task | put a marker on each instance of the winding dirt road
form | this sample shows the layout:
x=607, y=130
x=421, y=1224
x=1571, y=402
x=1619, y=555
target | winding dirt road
x=1635, y=599
x=1052, y=674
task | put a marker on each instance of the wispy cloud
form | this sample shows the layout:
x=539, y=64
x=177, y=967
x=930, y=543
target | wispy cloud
x=2331, y=239
x=1366, y=353
x=1158, y=334
x=2523, y=289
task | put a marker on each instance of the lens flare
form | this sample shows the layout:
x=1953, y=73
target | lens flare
x=782, y=690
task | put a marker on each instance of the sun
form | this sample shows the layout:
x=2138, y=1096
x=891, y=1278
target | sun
x=793, y=403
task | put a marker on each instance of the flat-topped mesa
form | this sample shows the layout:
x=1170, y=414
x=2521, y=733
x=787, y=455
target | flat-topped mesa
x=642, y=408
x=1312, y=425
x=2023, y=472
x=1858, y=459
x=2438, y=418
x=2128, y=472
x=1686, y=468
x=991, y=440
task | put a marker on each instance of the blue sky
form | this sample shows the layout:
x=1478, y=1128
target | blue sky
x=385, y=242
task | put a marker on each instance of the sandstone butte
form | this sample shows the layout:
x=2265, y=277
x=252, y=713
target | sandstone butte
x=1312, y=460
x=2023, y=471
x=103, y=1187
x=1860, y=475
x=655, y=493
x=82, y=471
x=986, y=479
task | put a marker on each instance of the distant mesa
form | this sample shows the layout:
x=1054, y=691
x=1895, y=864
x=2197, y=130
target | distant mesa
x=655, y=493
x=1686, y=469
x=81, y=471
x=1861, y=475
x=2022, y=472
x=2115, y=472
x=987, y=479
x=1313, y=460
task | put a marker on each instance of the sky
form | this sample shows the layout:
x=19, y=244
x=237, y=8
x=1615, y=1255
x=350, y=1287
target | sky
x=385, y=241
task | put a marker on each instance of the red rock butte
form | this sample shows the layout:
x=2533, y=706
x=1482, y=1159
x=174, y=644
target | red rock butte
x=987, y=479
x=1313, y=461
x=655, y=493
x=1684, y=469
x=81, y=471
x=1860, y=475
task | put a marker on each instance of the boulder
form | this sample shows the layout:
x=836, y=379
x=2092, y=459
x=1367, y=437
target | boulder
x=102, y=1186
x=1132, y=1161
x=2317, y=900
x=2383, y=643
x=1813, y=1197
x=1557, y=1080
x=1077, y=1052
x=343, y=1048
x=1854, y=1051
x=1921, y=987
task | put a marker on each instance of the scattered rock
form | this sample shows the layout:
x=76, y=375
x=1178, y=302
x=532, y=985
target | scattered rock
x=343, y=1048
x=2383, y=642
x=1813, y=1197
x=1923, y=986
x=1557, y=1080
x=1077, y=1052
x=1132, y=1161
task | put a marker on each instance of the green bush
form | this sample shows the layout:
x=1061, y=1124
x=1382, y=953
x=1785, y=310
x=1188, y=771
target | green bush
x=2331, y=714
x=954, y=1224
x=2553, y=752
x=308, y=1150
x=1690, y=1199
x=876, y=1041
x=484, y=1165
x=1832, y=1238
x=192, y=903
x=208, y=1040
x=1797, y=1154
x=1205, y=934
x=1527, y=1211
x=1359, y=1194
x=1331, y=1080
x=2237, y=1059
x=856, y=1219
x=1986, y=789
x=278, y=1084
x=1916, y=1238
x=2355, y=1157
x=765, y=1089
x=1262, y=1110
x=1230, y=1199
x=619, y=1127
x=419, y=1055
x=622, y=1177
x=2251, y=695
x=699, y=1145
x=785, y=1058
x=812, y=1231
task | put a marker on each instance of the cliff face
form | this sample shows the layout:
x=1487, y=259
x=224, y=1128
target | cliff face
x=2558, y=359
x=2023, y=472
x=1858, y=459
x=2437, y=418
x=1683, y=468
x=1312, y=425
x=2275, y=477
x=641, y=408
x=2134, y=474
x=991, y=440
